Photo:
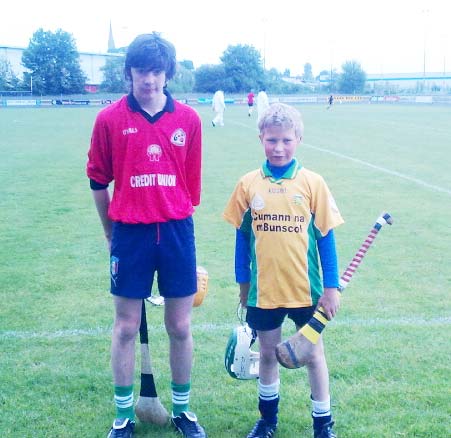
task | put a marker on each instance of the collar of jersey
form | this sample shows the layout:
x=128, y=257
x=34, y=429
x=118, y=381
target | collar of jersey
x=290, y=173
x=134, y=106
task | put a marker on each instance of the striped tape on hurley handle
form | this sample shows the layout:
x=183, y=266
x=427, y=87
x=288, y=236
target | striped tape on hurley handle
x=312, y=330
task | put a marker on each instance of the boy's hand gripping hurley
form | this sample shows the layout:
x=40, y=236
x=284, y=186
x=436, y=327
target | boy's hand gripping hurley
x=294, y=352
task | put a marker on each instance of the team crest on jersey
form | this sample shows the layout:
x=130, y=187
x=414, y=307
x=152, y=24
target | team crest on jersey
x=154, y=152
x=257, y=202
x=297, y=199
x=178, y=137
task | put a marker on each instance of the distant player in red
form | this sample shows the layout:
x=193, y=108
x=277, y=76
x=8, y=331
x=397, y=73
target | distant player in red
x=250, y=103
x=150, y=146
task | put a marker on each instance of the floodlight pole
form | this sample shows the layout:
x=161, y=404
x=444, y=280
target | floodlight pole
x=331, y=67
x=424, y=64
x=264, y=22
x=424, y=12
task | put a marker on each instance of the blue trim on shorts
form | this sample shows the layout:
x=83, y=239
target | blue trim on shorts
x=270, y=319
x=140, y=250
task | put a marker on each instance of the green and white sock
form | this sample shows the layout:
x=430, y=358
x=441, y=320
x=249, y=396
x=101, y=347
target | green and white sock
x=180, y=398
x=123, y=397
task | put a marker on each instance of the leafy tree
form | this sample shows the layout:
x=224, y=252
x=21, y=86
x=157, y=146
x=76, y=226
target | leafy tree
x=352, y=79
x=113, y=75
x=209, y=78
x=331, y=77
x=8, y=80
x=272, y=81
x=187, y=64
x=275, y=83
x=183, y=81
x=243, y=66
x=53, y=61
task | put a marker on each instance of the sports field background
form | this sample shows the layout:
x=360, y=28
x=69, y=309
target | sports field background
x=388, y=349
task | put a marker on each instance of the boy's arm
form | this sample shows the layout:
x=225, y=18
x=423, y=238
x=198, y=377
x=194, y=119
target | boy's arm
x=330, y=300
x=193, y=164
x=244, y=293
x=242, y=264
x=102, y=201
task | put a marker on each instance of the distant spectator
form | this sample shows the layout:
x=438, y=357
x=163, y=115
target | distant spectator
x=331, y=101
x=218, y=106
x=262, y=103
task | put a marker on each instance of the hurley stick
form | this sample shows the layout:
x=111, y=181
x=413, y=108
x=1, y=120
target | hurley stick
x=148, y=407
x=294, y=352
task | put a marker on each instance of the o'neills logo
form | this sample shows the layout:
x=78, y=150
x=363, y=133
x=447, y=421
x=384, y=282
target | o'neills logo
x=178, y=137
x=154, y=152
x=129, y=131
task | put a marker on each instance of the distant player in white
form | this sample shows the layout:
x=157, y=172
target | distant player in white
x=262, y=103
x=218, y=106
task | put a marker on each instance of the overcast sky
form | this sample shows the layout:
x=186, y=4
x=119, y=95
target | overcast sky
x=384, y=36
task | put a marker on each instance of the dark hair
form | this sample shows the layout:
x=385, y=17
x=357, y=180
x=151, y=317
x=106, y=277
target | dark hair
x=152, y=52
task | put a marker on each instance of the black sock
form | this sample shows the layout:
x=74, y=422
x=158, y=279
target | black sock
x=319, y=422
x=269, y=409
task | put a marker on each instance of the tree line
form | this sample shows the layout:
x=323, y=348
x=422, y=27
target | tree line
x=53, y=68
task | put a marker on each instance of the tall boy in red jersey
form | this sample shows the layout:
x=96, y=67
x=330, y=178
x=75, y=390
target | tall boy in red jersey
x=150, y=146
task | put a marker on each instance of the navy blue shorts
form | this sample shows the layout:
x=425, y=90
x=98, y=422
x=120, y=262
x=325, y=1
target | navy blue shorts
x=270, y=319
x=140, y=250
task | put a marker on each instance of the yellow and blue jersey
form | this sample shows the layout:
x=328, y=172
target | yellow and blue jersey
x=284, y=218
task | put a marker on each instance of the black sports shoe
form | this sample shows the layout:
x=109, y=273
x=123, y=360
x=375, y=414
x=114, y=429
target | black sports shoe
x=326, y=431
x=122, y=428
x=263, y=429
x=186, y=424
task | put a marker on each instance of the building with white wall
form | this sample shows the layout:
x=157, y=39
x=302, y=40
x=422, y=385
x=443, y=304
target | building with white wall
x=90, y=63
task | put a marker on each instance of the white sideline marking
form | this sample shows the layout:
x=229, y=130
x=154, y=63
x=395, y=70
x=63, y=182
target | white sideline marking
x=226, y=327
x=381, y=169
x=372, y=166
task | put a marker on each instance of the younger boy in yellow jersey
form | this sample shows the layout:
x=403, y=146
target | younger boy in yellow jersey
x=284, y=215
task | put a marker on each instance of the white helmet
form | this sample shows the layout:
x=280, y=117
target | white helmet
x=240, y=361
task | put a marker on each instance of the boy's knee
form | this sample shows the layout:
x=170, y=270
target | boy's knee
x=315, y=357
x=126, y=329
x=179, y=330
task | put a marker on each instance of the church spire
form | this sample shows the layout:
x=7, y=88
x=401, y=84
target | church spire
x=111, y=46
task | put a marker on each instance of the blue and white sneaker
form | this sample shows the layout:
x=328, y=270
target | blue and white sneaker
x=186, y=424
x=122, y=428
x=263, y=429
x=325, y=431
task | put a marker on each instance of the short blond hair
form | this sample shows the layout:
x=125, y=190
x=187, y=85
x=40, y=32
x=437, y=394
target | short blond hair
x=280, y=114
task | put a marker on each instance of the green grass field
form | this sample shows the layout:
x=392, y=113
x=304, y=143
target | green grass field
x=388, y=349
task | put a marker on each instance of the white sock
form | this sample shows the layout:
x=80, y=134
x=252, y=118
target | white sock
x=321, y=408
x=269, y=392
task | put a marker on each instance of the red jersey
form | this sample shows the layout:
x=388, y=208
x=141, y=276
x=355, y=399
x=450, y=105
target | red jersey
x=250, y=98
x=155, y=162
